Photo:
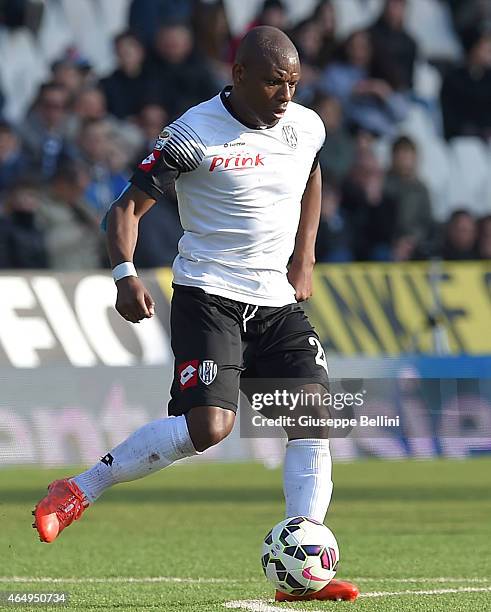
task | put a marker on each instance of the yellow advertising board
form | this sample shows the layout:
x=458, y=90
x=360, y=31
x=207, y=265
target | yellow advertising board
x=388, y=308
x=380, y=309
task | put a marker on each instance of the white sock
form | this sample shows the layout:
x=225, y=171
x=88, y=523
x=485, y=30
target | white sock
x=307, y=478
x=152, y=447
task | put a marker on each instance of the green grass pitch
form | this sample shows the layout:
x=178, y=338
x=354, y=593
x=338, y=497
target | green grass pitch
x=401, y=526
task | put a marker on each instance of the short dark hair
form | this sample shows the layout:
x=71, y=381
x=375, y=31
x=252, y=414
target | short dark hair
x=404, y=142
x=5, y=126
x=272, y=4
x=50, y=86
x=68, y=171
x=460, y=212
x=126, y=34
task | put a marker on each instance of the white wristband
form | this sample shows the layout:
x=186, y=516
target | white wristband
x=123, y=269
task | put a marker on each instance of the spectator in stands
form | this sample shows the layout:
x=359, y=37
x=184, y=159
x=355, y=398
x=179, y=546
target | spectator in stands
x=4, y=246
x=71, y=228
x=23, y=237
x=325, y=17
x=45, y=131
x=13, y=162
x=272, y=13
x=213, y=34
x=105, y=161
x=151, y=121
x=179, y=78
x=338, y=152
x=334, y=235
x=159, y=232
x=414, y=225
x=391, y=43
x=370, y=211
x=484, y=238
x=367, y=89
x=126, y=87
x=146, y=16
x=69, y=74
x=160, y=229
x=91, y=106
x=466, y=90
x=307, y=37
x=469, y=13
x=460, y=237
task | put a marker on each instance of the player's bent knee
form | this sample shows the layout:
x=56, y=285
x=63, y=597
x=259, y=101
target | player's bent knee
x=209, y=425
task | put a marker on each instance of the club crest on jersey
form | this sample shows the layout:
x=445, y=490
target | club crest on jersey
x=207, y=371
x=289, y=134
x=163, y=137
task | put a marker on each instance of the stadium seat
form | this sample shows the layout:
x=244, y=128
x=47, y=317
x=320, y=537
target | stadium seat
x=114, y=15
x=469, y=175
x=429, y=22
x=21, y=71
x=427, y=82
x=87, y=27
x=434, y=170
x=239, y=14
x=433, y=156
x=54, y=35
x=353, y=15
x=418, y=124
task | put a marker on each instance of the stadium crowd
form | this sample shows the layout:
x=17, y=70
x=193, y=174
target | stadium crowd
x=64, y=163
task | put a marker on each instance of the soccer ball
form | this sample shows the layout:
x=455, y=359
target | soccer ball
x=300, y=556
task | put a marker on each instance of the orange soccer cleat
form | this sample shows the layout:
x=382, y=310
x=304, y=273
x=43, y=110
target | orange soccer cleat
x=64, y=504
x=336, y=590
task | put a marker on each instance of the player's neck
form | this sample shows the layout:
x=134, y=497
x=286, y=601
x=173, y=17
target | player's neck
x=241, y=111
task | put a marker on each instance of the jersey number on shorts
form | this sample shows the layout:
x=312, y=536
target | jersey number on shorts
x=320, y=358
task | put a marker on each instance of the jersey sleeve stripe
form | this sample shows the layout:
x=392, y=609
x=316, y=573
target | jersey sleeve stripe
x=182, y=159
x=190, y=136
x=189, y=144
x=185, y=125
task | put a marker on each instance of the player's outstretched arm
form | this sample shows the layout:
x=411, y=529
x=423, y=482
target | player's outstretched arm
x=133, y=302
x=303, y=258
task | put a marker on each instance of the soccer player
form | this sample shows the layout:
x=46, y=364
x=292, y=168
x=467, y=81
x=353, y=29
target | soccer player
x=249, y=187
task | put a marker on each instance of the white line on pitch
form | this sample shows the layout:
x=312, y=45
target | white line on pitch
x=426, y=579
x=258, y=605
x=428, y=592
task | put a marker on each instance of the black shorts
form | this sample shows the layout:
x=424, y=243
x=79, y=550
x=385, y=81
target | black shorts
x=219, y=342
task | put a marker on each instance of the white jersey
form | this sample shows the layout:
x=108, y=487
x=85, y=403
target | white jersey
x=239, y=190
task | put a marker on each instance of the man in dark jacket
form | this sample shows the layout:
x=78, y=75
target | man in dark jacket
x=392, y=43
x=466, y=90
x=125, y=87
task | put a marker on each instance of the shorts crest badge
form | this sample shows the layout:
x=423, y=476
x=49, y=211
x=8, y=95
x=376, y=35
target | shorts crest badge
x=207, y=371
x=290, y=136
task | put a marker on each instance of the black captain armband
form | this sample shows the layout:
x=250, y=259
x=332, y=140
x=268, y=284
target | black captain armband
x=155, y=175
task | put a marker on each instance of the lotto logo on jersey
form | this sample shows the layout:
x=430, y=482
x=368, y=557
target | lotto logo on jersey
x=187, y=373
x=149, y=162
x=235, y=162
